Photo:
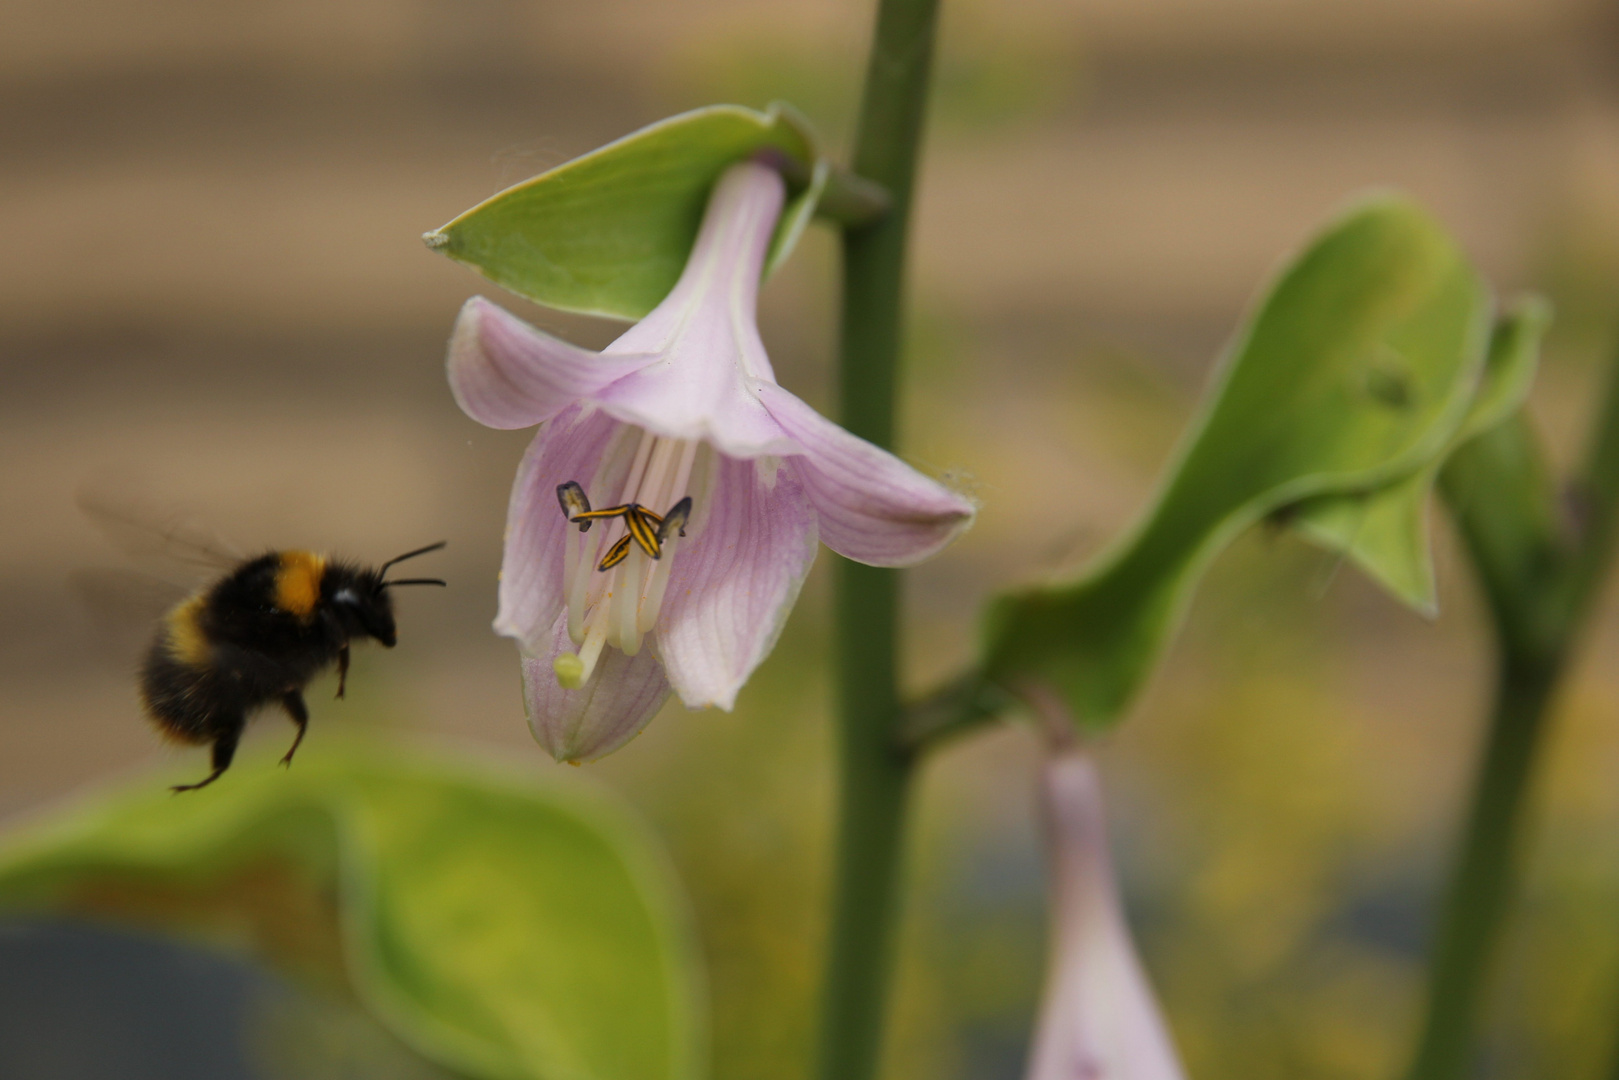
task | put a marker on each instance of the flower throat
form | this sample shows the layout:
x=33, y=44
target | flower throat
x=614, y=597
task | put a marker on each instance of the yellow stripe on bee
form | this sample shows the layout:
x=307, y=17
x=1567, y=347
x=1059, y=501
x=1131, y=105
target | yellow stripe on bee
x=297, y=582
x=643, y=532
x=184, y=638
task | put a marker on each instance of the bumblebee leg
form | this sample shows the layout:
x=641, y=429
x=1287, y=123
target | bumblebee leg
x=342, y=669
x=293, y=702
x=224, y=750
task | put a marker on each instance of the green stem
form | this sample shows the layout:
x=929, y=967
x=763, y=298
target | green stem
x=1483, y=881
x=1540, y=585
x=874, y=775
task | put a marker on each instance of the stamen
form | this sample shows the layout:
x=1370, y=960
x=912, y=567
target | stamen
x=616, y=553
x=682, y=484
x=626, y=604
x=579, y=583
x=650, y=493
x=627, y=446
x=575, y=506
x=644, y=531
x=676, y=521
x=638, y=470
x=602, y=515
x=658, y=581
x=571, y=543
x=652, y=597
x=572, y=669
x=616, y=601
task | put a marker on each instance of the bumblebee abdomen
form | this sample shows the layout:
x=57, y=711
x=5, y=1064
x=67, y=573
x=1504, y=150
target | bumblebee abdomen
x=174, y=671
x=181, y=698
x=182, y=636
x=196, y=684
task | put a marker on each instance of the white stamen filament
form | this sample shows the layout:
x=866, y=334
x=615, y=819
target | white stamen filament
x=592, y=648
x=658, y=580
x=626, y=591
x=620, y=606
x=570, y=571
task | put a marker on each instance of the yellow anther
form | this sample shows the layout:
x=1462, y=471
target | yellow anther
x=616, y=554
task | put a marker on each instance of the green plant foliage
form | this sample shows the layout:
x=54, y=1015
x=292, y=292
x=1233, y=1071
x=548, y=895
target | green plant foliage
x=1356, y=371
x=505, y=930
x=1385, y=530
x=608, y=233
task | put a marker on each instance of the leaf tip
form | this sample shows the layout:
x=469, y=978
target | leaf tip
x=437, y=240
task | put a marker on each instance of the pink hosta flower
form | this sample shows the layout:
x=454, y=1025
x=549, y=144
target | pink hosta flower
x=684, y=406
x=1099, y=1020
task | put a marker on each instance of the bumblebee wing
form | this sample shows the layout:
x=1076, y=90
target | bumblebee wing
x=122, y=606
x=141, y=530
x=124, y=594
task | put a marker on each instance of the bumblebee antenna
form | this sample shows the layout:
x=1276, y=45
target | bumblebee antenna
x=415, y=581
x=410, y=555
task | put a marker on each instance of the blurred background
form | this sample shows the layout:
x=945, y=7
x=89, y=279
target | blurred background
x=217, y=300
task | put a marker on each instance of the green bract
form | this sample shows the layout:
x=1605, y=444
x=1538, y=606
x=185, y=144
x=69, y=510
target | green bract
x=1385, y=530
x=505, y=930
x=1356, y=372
x=608, y=233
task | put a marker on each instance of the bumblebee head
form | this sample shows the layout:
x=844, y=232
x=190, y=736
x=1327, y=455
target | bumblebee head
x=362, y=604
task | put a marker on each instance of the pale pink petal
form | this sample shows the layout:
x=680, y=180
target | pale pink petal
x=620, y=698
x=568, y=447
x=873, y=508
x=711, y=361
x=504, y=373
x=732, y=584
x=684, y=396
x=1099, y=1019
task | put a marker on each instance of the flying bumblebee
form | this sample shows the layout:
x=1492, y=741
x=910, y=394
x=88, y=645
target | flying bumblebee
x=256, y=637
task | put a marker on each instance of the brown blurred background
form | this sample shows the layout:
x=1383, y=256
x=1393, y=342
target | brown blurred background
x=216, y=298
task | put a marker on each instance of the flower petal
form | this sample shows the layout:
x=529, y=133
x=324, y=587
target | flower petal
x=730, y=590
x=569, y=447
x=687, y=394
x=504, y=373
x=705, y=333
x=873, y=507
x=621, y=697
x=1099, y=1020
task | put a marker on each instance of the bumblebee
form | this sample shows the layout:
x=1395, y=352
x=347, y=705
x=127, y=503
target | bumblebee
x=256, y=637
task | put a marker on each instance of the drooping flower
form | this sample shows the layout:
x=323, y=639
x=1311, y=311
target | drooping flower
x=669, y=508
x=1099, y=1019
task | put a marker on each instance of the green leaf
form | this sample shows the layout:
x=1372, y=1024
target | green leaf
x=506, y=930
x=608, y=233
x=1385, y=531
x=795, y=217
x=1357, y=369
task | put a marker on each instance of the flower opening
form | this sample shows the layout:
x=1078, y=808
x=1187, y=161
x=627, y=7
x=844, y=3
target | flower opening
x=615, y=578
